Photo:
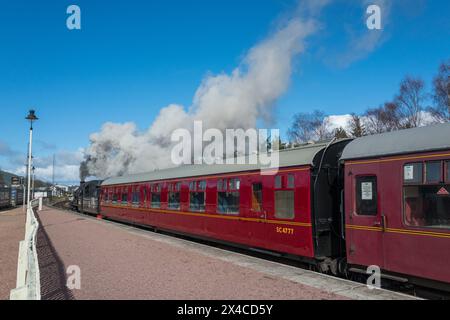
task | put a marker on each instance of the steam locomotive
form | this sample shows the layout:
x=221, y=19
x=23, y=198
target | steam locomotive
x=341, y=206
x=86, y=197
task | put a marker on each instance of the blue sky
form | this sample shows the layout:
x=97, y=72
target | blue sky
x=134, y=57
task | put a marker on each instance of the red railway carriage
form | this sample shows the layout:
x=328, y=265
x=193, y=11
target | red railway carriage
x=397, y=204
x=293, y=212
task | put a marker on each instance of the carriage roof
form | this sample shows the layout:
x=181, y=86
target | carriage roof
x=422, y=139
x=288, y=158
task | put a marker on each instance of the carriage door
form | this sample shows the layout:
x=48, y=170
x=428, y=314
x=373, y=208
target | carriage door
x=365, y=225
x=257, y=211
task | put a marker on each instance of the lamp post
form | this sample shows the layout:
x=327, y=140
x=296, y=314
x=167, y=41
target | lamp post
x=31, y=117
x=32, y=183
x=23, y=195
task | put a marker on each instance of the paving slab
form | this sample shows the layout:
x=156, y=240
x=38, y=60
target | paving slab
x=12, y=231
x=117, y=261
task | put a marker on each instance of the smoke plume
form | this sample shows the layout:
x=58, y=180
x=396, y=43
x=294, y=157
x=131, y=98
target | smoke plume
x=223, y=101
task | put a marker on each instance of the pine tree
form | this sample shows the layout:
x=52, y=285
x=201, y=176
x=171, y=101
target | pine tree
x=340, y=133
x=357, y=128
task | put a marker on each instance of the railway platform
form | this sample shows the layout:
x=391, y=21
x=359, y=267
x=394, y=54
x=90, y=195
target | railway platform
x=117, y=261
x=12, y=231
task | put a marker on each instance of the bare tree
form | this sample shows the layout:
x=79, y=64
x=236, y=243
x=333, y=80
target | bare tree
x=392, y=116
x=357, y=128
x=410, y=102
x=375, y=123
x=441, y=94
x=323, y=131
x=309, y=127
x=385, y=118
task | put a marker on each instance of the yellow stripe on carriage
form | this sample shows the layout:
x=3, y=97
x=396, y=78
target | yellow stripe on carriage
x=208, y=215
x=401, y=231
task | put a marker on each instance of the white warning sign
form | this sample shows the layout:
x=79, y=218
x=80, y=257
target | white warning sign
x=366, y=191
x=409, y=173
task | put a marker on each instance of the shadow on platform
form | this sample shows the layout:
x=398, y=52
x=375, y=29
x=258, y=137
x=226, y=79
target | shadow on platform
x=52, y=270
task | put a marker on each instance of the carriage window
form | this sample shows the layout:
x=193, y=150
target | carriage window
x=174, y=196
x=135, y=196
x=228, y=197
x=124, y=196
x=115, y=197
x=447, y=177
x=284, y=197
x=197, y=185
x=366, y=196
x=284, y=204
x=428, y=204
x=174, y=200
x=413, y=173
x=228, y=202
x=433, y=172
x=291, y=181
x=197, y=195
x=156, y=200
x=257, y=197
x=202, y=185
x=278, y=182
x=234, y=184
x=197, y=201
x=156, y=196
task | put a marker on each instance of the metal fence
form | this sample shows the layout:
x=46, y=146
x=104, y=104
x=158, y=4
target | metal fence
x=28, y=285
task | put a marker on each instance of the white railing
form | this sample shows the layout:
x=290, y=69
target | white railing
x=28, y=284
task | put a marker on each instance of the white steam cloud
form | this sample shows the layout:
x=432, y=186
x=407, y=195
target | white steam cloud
x=236, y=100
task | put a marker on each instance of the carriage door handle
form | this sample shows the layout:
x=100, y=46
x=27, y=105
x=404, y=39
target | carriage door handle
x=377, y=224
x=382, y=223
x=264, y=215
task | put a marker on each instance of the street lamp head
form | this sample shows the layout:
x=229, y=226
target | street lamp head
x=31, y=116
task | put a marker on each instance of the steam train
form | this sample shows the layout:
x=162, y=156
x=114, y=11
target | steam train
x=86, y=197
x=341, y=206
x=11, y=197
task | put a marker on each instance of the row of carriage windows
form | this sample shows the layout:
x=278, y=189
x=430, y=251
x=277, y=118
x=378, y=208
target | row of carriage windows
x=426, y=194
x=228, y=196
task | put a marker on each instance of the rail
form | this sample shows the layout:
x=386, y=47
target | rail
x=28, y=284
